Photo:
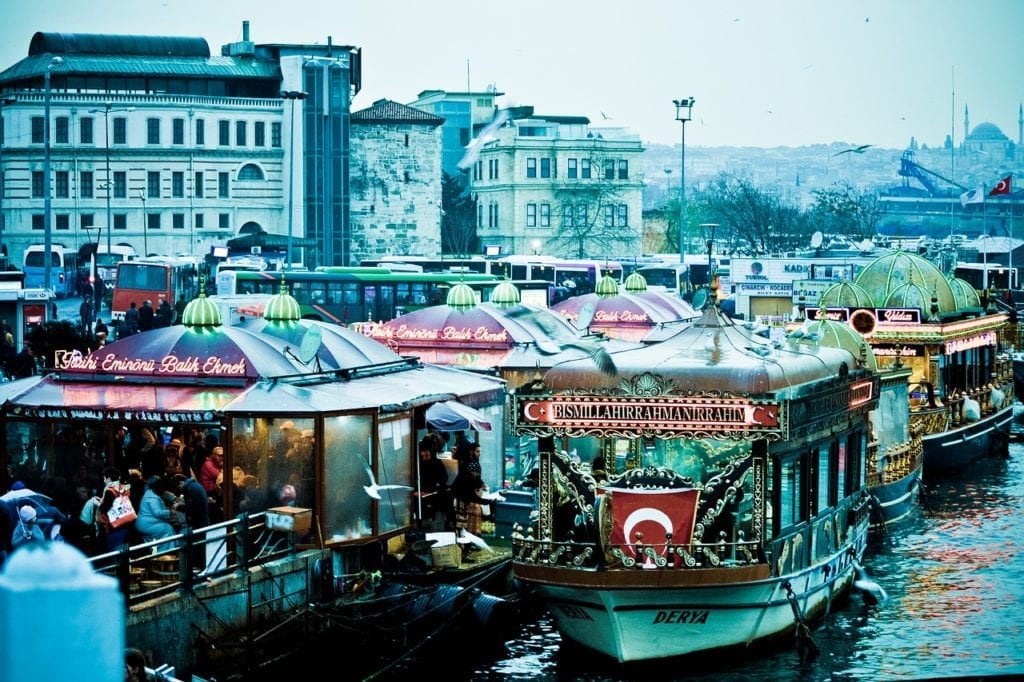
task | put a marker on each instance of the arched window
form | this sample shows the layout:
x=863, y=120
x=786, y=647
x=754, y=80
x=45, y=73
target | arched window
x=250, y=171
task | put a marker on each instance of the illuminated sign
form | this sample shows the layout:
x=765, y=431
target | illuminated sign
x=168, y=365
x=73, y=413
x=448, y=334
x=611, y=317
x=890, y=351
x=658, y=414
x=968, y=342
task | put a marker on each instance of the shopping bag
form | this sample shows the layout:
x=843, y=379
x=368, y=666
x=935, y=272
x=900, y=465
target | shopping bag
x=121, y=511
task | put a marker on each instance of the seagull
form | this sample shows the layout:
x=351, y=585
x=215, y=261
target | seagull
x=466, y=537
x=486, y=135
x=872, y=592
x=855, y=150
x=561, y=339
x=373, y=490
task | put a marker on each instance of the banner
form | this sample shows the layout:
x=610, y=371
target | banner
x=645, y=517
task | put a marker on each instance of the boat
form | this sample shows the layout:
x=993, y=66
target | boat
x=1018, y=376
x=717, y=497
x=961, y=384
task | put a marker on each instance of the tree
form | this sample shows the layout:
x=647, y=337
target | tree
x=458, y=216
x=588, y=215
x=845, y=210
x=749, y=219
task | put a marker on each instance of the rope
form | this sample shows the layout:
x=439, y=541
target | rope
x=804, y=642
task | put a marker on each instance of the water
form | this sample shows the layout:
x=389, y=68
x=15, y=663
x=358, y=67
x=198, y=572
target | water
x=954, y=575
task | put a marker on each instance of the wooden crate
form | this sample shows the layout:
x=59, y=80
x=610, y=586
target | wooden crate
x=446, y=556
x=294, y=519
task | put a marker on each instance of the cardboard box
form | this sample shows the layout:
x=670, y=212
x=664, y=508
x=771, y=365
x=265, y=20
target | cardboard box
x=293, y=519
x=446, y=556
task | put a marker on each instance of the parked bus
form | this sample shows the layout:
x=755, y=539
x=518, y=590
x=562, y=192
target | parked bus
x=66, y=272
x=983, y=276
x=429, y=264
x=153, y=279
x=105, y=263
x=672, y=277
x=579, y=276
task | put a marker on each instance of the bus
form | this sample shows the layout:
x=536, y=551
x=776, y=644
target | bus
x=475, y=264
x=579, y=276
x=983, y=276
x=672, y=277
x=105, y=263
x=153, y=279
x=66, y=272
x=344, y=295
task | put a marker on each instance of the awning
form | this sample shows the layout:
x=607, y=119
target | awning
x=452, y=415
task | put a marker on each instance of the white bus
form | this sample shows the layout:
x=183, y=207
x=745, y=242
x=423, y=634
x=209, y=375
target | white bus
x=65, y=270
x=105, y=263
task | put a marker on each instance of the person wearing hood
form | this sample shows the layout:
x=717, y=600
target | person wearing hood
x=27, y=530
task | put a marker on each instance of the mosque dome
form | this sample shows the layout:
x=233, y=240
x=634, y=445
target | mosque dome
x=845, y=295
x=891, y=271
x=987, y=132
x=910, y=295
x=966, y=296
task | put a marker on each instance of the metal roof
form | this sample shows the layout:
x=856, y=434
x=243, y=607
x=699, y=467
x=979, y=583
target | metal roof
x=126, y=65
x=98, y=43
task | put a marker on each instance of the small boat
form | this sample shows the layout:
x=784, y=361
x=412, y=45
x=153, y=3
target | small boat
x=719, y=498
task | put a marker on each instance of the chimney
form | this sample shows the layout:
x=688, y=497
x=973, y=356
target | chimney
x=245, y=31
x=243, y=48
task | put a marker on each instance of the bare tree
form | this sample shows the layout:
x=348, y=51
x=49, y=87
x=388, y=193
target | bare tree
x=846, y=210
x=749, y=218
x=458, y=217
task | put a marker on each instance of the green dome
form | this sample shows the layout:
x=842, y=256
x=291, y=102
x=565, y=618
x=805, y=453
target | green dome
x=910, y=296
x=201, y=312
x=836, y=335
x=506, y=295
x=887, y=273
x=966, y=296
x=282, y=306
x=606, y=287
x=635, y=284
x=845, y=295
x=461, y=297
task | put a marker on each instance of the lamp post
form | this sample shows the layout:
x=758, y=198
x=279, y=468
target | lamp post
x=47, y=199
x=684, y=113
x=145, y=227
x=3, y=180
x=106, y=111
x=536, y=246
x=291, y=95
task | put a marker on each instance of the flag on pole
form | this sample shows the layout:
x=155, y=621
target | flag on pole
x=1004, y=186
x=976, y=196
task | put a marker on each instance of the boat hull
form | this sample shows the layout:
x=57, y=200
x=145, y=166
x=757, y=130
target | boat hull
x=953, y=449
x=896, y=500
x=1018, y=377
x=636, y=615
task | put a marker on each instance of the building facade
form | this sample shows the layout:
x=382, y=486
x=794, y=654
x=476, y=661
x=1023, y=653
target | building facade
x=463, y=113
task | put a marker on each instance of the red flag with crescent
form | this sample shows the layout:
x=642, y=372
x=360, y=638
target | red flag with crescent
x=645, y=517
x=1004, y=186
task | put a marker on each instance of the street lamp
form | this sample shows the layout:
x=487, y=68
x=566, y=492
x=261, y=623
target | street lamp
x=145, y=227
x=684, y=113
x=106, y=111
x=536, y=246
x=291, y=95
x=47, y=199
x=707, y=231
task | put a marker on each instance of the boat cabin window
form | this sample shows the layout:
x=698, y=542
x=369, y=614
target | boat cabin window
x=279, y=454
x=790, y=488
x=826, y=496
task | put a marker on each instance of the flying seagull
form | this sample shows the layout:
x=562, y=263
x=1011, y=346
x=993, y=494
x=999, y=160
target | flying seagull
x=561, y=339
x=855, y=150
x=373, y=490
x=486, y=135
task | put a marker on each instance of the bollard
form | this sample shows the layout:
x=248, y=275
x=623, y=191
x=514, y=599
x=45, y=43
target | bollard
x=60, y=619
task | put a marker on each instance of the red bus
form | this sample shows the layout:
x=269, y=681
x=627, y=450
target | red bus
x=152, y=279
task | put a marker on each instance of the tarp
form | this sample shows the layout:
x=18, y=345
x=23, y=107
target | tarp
x=452, y=415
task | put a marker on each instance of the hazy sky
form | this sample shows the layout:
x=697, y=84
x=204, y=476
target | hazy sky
x=764, y=73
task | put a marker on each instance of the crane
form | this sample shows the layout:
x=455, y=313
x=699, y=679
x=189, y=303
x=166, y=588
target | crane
x=909, y=168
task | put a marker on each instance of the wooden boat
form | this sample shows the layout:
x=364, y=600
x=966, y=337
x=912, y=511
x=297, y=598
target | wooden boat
x=733, y=509
x=961, y=399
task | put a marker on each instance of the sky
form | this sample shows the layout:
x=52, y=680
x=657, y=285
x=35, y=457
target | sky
x=763, y=73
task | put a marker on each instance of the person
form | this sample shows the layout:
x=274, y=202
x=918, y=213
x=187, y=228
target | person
x=463, y=447
x=470, y=493
x=130, y=323
x=134, y=665
x=113, y=538
x=179, y=308
x=252, y=498
x=101, y=293
x=101, y=331
x=146, y=314
x=23, y=364
x=210, y=470
x=27, y=530
x=7, y=352
x=437, y=495
x=197, y=503
x=85, y=312
x=164, y=315
x=154, y=516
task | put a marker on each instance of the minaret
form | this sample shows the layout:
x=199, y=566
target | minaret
x=966, y=123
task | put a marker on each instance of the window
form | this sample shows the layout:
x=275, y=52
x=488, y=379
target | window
x=224, y=220
x=572, y=170
x=790, y=490
x=259, y=133
x=152, y=131
x=531, y=167
x=623, y=169
x=120, y=185
x=222, y=185
x=120, y=130
x=177, y=185
x=585, y=169
x=85, y=185
x=623, y=215
x=609, y=170
x=178, y=221
x=825, y=457
x=275, y=134
x=178, y=131
x=240, y=133
x=223, y=133
x=37, y=184
x=492, y=214
x=60, y=132
x=37, y=130
x=251, y=171
x=545, y=215
x=479, y=214
x=531, y=215
x=200, y=131
x=63, y=185
x=568, y=215
x=38, y=221
x=608, y=211
x=197, y=188
x=199, y=221
x=85, y=130
x=545, y=168
x=581, y=215
x=87, y=221
x=120, y=221
x=152, y=221
x=62, y=221
x=153, y=184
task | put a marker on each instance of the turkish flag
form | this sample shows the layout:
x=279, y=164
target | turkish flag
x=1004, y=186
x=645, y=517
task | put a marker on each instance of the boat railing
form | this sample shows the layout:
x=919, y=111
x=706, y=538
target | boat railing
x=885, y=465
x=162, y=567
x=609, y=556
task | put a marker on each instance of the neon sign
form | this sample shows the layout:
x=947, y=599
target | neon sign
x=169, y=365
x=976, y=341
x=453, y=334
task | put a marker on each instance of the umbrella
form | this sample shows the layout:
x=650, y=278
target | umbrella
x=451, y=415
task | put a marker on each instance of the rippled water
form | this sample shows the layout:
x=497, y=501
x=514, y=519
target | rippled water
x=954, y=575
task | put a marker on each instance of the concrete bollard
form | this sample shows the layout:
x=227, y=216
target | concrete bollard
x=60, y=619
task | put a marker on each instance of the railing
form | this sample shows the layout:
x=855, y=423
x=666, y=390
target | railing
x=163, y=567
x=663, y=555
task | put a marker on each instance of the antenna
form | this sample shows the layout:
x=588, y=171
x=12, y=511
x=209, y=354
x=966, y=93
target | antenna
x=816, y=239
